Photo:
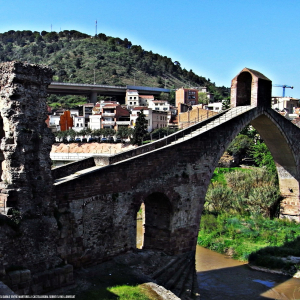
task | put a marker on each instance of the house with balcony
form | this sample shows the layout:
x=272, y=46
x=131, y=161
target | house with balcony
x=114, y=115
x=161, y=105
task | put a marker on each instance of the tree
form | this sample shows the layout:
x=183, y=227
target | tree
x=122, y=132
x=140, y=129
x=263, y=157
x=225, y=104
x=202, y=98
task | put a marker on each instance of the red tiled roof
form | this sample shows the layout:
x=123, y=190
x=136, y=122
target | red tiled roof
x=146, y=96
x=140, y=108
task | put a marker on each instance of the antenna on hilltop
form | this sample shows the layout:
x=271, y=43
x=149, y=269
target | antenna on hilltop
x=96, y=28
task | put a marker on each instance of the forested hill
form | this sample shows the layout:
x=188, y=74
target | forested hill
x=76, y=57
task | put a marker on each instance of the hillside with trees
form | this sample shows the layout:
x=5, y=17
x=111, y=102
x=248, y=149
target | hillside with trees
x=79, y=58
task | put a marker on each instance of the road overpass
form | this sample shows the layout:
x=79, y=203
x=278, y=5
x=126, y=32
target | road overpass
x=92, y=90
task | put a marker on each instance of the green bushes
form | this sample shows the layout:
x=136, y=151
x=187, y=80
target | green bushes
x=254, y=192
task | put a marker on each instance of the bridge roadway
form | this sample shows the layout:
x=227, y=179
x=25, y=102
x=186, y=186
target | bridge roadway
x=92, y=90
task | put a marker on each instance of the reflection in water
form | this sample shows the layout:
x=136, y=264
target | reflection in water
x=220, y=277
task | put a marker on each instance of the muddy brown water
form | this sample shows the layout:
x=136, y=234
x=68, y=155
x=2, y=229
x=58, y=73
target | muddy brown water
x=222, y=278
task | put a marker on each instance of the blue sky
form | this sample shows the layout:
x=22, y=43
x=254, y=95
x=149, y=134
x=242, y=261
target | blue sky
x=214, y=38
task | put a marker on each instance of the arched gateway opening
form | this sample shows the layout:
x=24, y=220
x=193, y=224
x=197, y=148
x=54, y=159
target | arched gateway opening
x=243, y=94
x=156, y=215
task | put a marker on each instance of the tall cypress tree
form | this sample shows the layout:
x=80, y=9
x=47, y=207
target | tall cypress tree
x=140, y=129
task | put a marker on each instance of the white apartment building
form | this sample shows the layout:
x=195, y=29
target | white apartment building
x=132, y=98
x=217, y=106
x=160, y=105
x=144, y=100
x=79, y=123
x=54, y=122
x=95, y=122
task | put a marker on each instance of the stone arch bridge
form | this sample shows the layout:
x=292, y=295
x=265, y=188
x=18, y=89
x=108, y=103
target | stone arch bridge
x=85, y=212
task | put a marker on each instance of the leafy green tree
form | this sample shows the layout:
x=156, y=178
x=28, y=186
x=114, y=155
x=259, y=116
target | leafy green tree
x=225, y=104
x=241, y=145
x=140, y=129
x=263, y=157
x=122, y=132
x=202, y=98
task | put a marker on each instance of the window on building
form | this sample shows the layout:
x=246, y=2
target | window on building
x=134, y=103
x=156, y=108
x=130, y=98
x=130, y=103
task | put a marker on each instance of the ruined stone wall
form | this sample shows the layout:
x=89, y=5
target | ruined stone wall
x=28, y=230
x=27, y=141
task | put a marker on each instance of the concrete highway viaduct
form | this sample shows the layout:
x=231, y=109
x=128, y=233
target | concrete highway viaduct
x=84, y=213
x=93, y=90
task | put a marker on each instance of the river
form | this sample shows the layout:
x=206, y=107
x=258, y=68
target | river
x=222, y=278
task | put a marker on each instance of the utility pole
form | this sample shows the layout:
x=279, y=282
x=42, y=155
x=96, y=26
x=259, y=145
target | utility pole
x=134, y=78
x=96, y=29
x=94, y=76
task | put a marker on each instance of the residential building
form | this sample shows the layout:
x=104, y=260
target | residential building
x=114, y=115
x=54, y=123
x=86, y=112
x=156, y=119
x=95, y=121
x=186, y=96
x=132, y=98
x=216, y=106
x=159, y=119
x=160, y=105
x=144, y=100
x=78, y=123
x=285, y=103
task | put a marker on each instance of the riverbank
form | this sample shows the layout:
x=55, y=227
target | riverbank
x=269, y=244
